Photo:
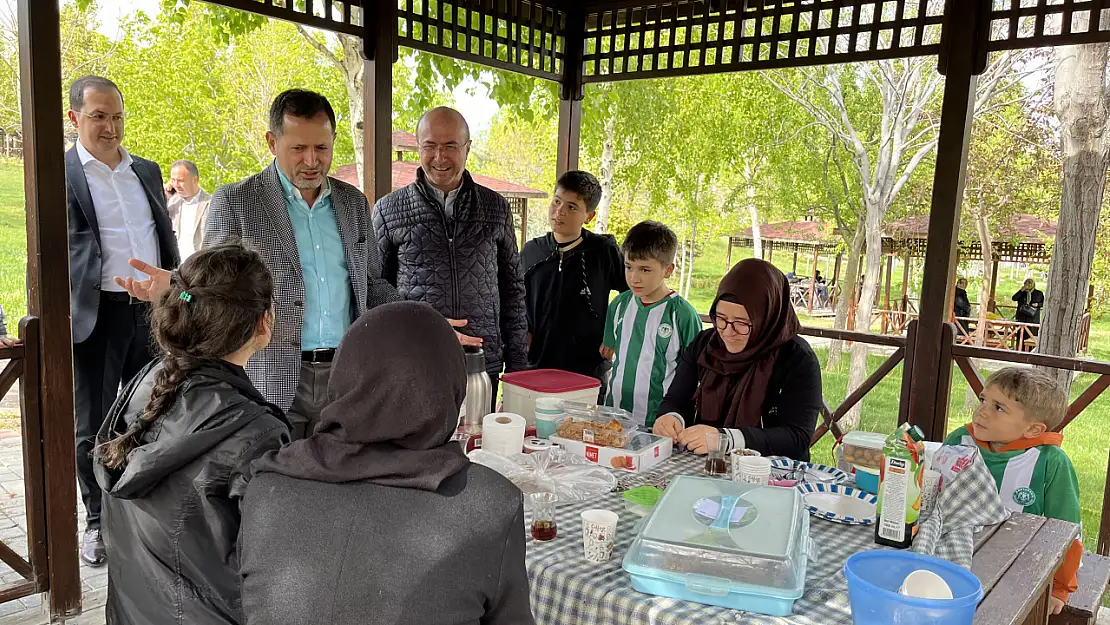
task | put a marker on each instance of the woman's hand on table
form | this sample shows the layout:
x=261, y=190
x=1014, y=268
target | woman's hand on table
x=694, y=438
x=667, y=425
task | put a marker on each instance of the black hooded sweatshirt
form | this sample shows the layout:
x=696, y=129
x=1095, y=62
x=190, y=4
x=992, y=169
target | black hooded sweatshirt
x=566, y=302
x=171, y=515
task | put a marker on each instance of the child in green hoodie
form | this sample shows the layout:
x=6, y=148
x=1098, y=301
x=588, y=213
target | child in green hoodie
x=1013, y=430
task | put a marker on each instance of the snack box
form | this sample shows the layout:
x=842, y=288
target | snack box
x=643, y=452
x=597, y=425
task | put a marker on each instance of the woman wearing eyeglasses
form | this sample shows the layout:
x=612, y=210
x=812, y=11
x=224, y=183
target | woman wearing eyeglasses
x=750, y=378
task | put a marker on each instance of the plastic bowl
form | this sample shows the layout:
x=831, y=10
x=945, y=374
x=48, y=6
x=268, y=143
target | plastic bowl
x=875, y=576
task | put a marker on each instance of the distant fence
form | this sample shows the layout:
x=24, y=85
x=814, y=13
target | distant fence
x=11, y=144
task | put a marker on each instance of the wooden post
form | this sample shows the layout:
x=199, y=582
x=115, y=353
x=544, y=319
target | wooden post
x=906, y=281
x=571, y=92
x=728, y=258
x=991, y=303
x=40, y=71
x=886, y=296
x=813, y=279
x=770, y=253
x=380, y=50
x=963, y=55
x=523, y=221
x=794, y=268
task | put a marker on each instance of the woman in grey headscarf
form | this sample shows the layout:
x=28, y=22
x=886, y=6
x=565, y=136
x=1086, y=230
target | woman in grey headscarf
x=379, y=517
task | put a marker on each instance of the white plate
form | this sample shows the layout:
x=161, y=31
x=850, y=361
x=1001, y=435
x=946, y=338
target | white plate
x=840, y=504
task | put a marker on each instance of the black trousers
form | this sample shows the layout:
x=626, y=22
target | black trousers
x=119, y=346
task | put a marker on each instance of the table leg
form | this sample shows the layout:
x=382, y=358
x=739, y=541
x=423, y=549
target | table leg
x=1040, y=612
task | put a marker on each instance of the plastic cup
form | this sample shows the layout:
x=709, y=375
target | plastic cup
x=925, y=585
x=599, y=532
x=549, y=411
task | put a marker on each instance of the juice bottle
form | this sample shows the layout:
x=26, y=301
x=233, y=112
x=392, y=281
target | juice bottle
x=900, y=484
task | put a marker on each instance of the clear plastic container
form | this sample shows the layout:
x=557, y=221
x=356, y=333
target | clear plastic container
x=752, y=559
x=598, y=425
x=862, y=449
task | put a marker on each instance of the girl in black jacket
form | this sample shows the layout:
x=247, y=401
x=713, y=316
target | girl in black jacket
x=173, y=455
x=751, y=378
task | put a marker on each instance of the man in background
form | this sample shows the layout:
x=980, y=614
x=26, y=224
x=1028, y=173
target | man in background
x=117, y=211
x=187, y=204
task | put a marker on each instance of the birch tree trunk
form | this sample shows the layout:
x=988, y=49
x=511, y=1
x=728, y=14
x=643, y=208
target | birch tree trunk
x=1081, y=107
x=753, y=210
x=605, y=176
x=874, y=246
x=846, y=284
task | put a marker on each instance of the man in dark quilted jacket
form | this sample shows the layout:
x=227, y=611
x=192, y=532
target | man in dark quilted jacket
x=451, y=243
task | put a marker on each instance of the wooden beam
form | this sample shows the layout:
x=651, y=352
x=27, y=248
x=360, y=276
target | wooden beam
x=34, y=476
x=931, y=370
x=794, y=268
x=994, y=285
x=571, y=93
x=728, y=257
x=380, y=50
x=813, y=279
x=971, y=374
x=905, y=281
x=1093, y=391
x=871, y=382
x=40, y=71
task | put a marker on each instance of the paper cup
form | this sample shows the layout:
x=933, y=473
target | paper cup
x=750, y=469
x=925, y=585
x=930, y=491
x=599, y=532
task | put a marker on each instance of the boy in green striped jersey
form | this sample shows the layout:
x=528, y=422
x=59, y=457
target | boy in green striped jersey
x=648, y=326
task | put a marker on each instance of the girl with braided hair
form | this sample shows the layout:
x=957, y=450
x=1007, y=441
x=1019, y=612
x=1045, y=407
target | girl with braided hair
x=174, y=453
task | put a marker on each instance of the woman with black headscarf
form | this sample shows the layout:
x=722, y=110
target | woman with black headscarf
x=379, y=518
x=750, y=378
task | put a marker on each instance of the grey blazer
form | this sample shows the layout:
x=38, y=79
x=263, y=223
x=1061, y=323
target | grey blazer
x=84, y=237
x=204, y=199
x=254, y=210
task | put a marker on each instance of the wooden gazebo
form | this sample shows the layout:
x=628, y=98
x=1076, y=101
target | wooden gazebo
x=573, y=43
x=807, y=238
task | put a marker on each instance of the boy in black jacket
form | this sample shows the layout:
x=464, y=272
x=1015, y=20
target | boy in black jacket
x=568, y=274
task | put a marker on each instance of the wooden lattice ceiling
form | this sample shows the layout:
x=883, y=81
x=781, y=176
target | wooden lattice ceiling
x=625, y=39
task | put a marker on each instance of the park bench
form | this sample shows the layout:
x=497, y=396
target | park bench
x=1082, y=608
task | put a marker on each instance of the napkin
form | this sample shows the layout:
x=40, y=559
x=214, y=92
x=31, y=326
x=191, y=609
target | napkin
x=967, y=502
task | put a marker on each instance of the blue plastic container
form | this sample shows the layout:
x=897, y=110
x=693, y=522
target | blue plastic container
x=753, y=560
x=875, y=576
x=868, y=481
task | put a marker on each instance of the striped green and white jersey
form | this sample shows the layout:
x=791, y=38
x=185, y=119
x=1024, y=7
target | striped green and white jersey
x=647, y=341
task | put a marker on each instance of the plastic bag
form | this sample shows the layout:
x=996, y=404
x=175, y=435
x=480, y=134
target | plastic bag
x=572, y=478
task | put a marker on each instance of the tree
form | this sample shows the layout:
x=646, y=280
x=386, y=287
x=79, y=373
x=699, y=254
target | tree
x=886, y=143
x=420, y=81
x=84, y=51
x=1082, y=107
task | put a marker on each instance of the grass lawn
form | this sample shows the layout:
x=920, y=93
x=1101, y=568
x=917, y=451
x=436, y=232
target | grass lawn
x=1087, y=439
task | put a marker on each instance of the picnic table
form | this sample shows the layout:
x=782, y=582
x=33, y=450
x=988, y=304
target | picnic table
x=1015, y=562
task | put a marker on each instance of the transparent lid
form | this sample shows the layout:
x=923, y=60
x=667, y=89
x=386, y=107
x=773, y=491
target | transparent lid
x=863, y=449
x=714, y=528
x=869, y=440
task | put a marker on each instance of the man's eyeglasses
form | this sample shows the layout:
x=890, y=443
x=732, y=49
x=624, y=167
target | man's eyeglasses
x=103, y=118
x=743, y=327
x=449, y=148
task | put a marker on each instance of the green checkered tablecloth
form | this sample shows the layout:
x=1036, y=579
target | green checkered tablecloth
x=568, y=590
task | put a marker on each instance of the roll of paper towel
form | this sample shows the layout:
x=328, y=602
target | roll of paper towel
x=503, y=433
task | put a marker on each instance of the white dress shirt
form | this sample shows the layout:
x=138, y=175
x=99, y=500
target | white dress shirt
x=188, y=227
x=124, y=215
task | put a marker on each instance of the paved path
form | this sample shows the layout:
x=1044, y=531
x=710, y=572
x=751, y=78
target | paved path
x=13, y=532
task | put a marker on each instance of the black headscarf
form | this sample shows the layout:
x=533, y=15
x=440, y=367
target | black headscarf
x=397, y=383
x=733, y=386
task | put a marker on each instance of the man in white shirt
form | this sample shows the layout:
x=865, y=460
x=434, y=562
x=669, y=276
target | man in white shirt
x=187, y=205
x=117, y=211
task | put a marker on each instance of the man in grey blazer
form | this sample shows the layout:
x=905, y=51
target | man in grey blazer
x=188, y=206
x=315, y=235
x=116, y=211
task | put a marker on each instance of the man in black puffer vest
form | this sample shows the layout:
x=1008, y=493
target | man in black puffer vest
x=451, y=243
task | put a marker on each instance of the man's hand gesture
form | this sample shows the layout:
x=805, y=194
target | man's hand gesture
x=150, y=289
